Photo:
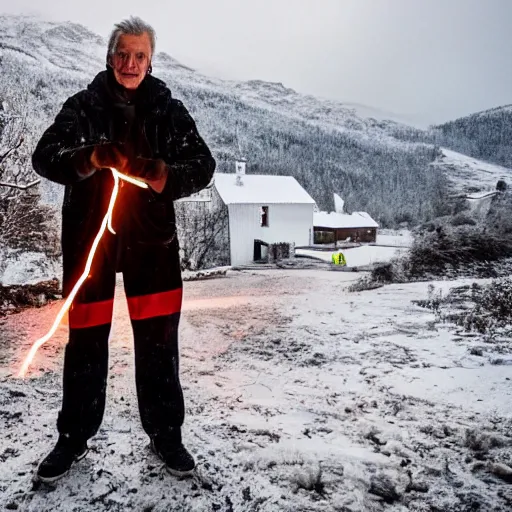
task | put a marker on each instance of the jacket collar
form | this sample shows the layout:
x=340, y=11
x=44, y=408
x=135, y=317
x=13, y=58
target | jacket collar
x=105, y=87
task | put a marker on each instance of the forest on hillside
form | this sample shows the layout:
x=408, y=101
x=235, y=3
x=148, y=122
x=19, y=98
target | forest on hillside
x=486, y=135
x=390, y=178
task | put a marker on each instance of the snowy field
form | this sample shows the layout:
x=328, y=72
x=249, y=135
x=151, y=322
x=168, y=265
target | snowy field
x=357, y=256
x=300, y=397
x=394, y=237
x=390, y=244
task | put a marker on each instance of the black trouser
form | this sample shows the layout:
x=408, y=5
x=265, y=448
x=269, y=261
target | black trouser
x=153, y=287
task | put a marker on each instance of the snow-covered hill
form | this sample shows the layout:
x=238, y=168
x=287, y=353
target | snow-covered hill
x=470, y=175
x=486, y=135
x=377, y=165
x=72, y=47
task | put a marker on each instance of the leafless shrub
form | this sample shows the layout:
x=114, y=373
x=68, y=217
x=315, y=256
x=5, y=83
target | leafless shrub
x=492, y=311
x=310, y=479
x=202, y=230
x=24, y=222
x=365, y=283
x=482, y=441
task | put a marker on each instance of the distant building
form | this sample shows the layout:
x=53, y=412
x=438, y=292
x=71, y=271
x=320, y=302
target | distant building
x=271, y=209
x=334, y=227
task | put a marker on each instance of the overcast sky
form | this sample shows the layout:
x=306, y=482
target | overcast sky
x=432, y=59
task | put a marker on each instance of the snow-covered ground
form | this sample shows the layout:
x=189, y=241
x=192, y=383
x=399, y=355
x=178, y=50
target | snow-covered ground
x=394, y=237
x=469, y=174
x=390, y=244
x=357, y=256
x=300, y=397
x=18, y=267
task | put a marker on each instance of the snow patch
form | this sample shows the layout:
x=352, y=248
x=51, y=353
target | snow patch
x=17, y=268
x=470, y=175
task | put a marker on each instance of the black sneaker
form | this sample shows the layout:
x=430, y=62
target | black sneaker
x=178, y=461
x=59, y=461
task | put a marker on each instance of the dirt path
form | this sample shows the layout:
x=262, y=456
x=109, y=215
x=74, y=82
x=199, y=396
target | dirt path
x=300, y=397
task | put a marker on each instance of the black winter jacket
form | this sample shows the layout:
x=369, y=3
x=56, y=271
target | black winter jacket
x=142, y=216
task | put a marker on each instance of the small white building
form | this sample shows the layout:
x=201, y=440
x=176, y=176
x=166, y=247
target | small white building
x=357, y=226
x=272, y=209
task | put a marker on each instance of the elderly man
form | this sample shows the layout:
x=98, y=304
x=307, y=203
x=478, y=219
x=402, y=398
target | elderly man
x=125, y=119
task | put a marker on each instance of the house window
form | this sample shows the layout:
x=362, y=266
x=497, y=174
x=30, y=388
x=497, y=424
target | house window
x=264, y=217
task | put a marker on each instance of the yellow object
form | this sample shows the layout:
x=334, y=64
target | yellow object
x=339, y=259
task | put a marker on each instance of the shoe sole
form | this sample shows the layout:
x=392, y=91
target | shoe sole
x=50, y=479
x=173, y=472
x=177, y=473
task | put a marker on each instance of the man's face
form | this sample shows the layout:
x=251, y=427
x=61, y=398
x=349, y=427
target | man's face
x=131, y=60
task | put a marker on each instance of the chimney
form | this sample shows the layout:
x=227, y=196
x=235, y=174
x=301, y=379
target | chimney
x=240, y=166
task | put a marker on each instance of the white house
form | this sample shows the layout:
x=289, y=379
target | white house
x=273, y=209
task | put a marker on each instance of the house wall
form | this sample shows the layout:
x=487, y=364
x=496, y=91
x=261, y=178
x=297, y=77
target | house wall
x=287, y=223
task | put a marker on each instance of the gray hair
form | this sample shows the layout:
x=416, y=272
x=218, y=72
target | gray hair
x=133, y=27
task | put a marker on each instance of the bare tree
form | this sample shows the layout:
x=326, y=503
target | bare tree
x=3, y=158
x=24, y=221
x=203, y=234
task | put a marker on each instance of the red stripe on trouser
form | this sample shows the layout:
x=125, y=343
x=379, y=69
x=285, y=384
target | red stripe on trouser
x=155, y=304
x=90, y=315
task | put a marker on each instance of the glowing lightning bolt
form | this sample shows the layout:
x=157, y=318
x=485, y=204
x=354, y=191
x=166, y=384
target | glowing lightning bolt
x=107, y=222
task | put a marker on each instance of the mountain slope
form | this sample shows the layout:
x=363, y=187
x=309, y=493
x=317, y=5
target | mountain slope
x=468, y=175
x=486, y=135
x=328, y=146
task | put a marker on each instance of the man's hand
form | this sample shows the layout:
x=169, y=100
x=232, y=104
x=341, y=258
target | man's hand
x=148, y=168
x=109, y=155
x=153, y=172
